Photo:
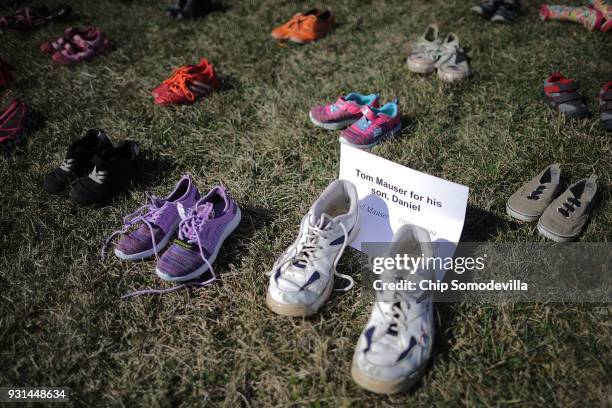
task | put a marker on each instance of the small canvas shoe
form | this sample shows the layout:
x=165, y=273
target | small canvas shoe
x=453, y=64
x=84, y=44
x=77, y=162
x=187, y=84
x=425, y=52
x=342, y=113
x=605, y=106
x=31, y=17
x=302, y=278
x=156, y=223
x=16, y=121
x=376, y=125
x=305, y=27
x=529, y=202
x=566, y=217
x=396, y=344
x=201, y=232
x=562, y=94
x=113, y=171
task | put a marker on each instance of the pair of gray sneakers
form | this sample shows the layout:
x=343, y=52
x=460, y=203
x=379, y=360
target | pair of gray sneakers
x=561, y=217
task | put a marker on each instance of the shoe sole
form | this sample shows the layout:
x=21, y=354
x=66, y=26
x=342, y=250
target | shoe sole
x=331, y=125
x=552, y=236
x=418, y=68
x=296, y=310
x=394, y=132
x=452, y=78
x=386, y=387
x=226, y=233
x=520, y=216
x=149, y=252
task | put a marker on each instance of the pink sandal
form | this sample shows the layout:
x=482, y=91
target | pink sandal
x=77, y=44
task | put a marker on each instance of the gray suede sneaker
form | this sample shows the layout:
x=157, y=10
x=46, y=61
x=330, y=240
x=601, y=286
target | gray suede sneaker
x=530, y=201
x=566, y=217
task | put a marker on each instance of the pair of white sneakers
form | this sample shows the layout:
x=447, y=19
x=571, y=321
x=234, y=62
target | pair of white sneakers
x=430, y=53
x=395, y=345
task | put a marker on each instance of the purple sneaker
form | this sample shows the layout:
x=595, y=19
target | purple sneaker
x=201, y=233
x=345, y=111
x=158, y=222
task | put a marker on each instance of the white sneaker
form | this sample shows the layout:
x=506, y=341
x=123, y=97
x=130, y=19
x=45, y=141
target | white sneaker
x=302, y=279
x=453, y=64
x=393, y=350
x=425, y=51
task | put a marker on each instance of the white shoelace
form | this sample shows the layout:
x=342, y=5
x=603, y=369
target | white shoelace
x=67, y=165
x=306, y=252
x=98, y=175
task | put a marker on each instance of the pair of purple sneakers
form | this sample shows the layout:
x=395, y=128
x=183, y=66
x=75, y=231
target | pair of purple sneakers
x=203, y=223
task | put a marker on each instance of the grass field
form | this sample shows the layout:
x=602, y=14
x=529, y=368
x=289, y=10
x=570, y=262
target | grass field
x=61, y=320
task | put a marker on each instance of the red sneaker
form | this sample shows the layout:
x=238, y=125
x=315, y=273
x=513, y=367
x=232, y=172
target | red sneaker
x=5, y=75
x=16, y=121
x=187, y=84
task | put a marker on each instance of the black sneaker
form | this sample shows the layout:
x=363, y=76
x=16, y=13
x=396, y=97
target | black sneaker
x=77, y=162
x=113, y=172
x=506, y=13
x=488, y=8
x=188, y=9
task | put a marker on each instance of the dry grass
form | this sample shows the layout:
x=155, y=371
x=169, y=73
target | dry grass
x=61, y=320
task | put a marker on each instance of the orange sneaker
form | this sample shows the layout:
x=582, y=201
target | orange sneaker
x=305, y=27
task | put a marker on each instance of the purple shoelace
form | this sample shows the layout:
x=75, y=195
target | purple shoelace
x=188, y=229
x=147, y=214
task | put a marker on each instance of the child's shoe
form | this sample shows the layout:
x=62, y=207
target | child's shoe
x=606, y=11
x=302, y=278
x=187, y=84
x=157, y=222
x=188, y=9
x=453, y=64
x=83, y=45
x=396, y=344
x=529, y=202
x=305, y=27
x=590, y=18
x=605, y=106
x=562, y=94
x=566, y=217
x=342, y=113
x=425, y=52
x=77, y=162
x=16, y=121
x=376, y=125
x=114, y=169
x=31, y=17
x=487, y=9
x=506, y=12
x=201, y=232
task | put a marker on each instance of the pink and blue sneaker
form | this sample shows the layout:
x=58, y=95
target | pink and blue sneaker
x=201, y=233
x=157, y=222
x=342, y=113
x=375, y=125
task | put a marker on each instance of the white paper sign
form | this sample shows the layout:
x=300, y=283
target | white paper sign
x=392, y=195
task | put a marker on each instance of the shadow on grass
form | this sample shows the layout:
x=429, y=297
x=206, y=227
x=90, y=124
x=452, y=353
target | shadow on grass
x=481, y=225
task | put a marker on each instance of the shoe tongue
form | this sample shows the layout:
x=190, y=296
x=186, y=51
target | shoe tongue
x=320, y=220
x=205, y=210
